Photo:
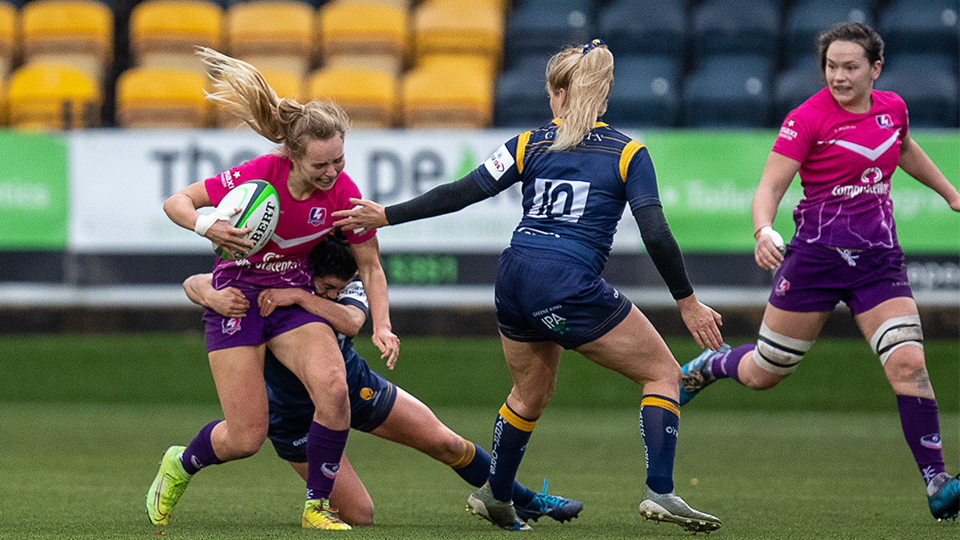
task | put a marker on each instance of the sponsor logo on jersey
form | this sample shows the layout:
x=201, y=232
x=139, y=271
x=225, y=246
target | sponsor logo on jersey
x=499, y=162
x=330, y=470
x=556, y=323
x=227, y=179
x=787, y=133
x=318, y=216
x=782, y=287
x=884, y=121
x=931, y=441
x=230, y=326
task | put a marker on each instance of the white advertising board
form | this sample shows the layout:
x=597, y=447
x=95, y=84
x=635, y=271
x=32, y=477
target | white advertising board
x=120, y=178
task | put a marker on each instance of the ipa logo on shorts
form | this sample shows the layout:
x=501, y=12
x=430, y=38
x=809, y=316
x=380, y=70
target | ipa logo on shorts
x=230, y=326
x=782, y=287
x=556, y=323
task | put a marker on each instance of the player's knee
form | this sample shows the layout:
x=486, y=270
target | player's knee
x=358, y=515
x=906, y=365
x=898, y=333
x=248, y=443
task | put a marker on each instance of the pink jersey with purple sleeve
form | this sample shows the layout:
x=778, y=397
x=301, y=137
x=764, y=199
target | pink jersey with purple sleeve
x=846, y=161
x=283, y=262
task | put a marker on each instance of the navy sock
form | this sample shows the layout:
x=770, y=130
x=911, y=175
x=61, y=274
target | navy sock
x=324, y=450
x=921, y=427
x=659, y=425
x=474, y=468
x=199, y=453
x=511, y=432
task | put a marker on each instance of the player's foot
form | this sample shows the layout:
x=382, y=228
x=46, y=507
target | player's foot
x=671, y=508
x=317, y=514
x=167, y=487
x=694, y=379
x=502, y=514
x=945, y=499
x=559, y=508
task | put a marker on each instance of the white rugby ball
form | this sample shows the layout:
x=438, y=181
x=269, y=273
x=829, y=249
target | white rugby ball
x=260, y=210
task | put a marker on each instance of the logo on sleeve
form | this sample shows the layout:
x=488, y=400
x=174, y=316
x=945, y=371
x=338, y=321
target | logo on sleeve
x=499, y=162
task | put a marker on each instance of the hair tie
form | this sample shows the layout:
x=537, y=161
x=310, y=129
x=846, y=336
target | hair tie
x=593, y=45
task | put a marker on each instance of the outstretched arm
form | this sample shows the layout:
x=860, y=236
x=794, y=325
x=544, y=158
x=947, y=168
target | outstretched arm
x=374, y=281
x=915, y=162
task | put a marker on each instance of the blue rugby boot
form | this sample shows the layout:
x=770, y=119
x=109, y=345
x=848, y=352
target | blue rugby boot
x=694, y=379
x=559, y=508
x=945, y=499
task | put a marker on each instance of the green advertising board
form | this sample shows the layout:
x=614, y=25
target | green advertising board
x=707, y=181
x=33, y=191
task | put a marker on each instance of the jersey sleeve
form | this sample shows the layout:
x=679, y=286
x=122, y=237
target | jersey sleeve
x=262, y=167
x=502, y=169
x=796, y=137
x=640, y=179
x=354, y=295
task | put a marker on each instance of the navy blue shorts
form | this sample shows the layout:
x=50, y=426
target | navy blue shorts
x=814, y=277
x=291, y=411
x=543, y=295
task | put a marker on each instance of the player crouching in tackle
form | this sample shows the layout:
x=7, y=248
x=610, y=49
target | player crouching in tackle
x=377, y=406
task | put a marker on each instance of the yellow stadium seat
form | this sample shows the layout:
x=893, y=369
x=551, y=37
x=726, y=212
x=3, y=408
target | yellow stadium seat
x=447, y=96
x=152, y=97
x=458, y=28
x=357, y=33
x=284, y=83
x=9, y=20
x=276, y=34
x=78, y=32
x=165, y=33
x=368, y=95
x=48, y=95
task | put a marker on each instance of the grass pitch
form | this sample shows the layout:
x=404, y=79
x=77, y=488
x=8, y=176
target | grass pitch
x=84, y=420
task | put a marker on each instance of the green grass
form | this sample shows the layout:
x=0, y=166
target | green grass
x=84, y=419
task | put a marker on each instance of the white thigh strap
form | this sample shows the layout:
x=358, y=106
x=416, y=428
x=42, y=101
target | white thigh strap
x=895, y=333
x=778, y=353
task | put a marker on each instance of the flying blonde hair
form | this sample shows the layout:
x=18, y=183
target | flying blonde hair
x=241, y=89
x=586, y=73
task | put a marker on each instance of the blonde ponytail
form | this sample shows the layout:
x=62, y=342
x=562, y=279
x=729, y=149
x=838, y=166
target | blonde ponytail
x=586, y=74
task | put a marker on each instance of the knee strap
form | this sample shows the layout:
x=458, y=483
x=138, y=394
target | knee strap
x=895, y=333
x=778, y=353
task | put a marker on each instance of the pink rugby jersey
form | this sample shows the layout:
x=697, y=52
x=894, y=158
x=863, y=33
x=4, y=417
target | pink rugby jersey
x=283, y=262
x=846, y=163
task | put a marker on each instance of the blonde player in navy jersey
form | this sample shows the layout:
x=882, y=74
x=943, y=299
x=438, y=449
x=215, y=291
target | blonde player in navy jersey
x=577, y=175
x=377, y=406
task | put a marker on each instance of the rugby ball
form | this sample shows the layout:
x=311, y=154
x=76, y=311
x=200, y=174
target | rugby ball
x=260, y=210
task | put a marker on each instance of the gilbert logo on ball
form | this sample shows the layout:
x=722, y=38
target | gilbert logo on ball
x=259, y=210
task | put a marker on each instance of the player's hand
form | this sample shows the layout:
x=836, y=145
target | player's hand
x=702, y=322
x=389, y=345
x=229, y=302
x=768, y=253
x=230, y=238
x=365, y=216
x=271, y=299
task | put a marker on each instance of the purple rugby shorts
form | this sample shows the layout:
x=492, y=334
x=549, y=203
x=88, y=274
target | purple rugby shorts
x=225, y=332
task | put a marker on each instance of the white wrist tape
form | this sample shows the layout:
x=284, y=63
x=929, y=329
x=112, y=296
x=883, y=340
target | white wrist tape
x=204, y=222
x=774, y=235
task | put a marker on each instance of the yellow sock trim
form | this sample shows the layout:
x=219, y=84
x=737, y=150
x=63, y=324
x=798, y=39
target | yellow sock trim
x=662, y=403
x=520, y=423
x=469, y=452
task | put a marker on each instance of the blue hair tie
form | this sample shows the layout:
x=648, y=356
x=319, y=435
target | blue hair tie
x=593, y=45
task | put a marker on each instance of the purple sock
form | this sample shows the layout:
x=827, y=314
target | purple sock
x=324, y=450
x=921, y=427
x=725, y=366
x=199, y=453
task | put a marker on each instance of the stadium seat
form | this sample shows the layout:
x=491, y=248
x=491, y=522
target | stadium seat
x=151, y=97
x=521, y=98
x=464, y=29
x=78, y=32
x=9, y=21
x=807, y=19
x=165, y=33
x=649, y=27
x=49, y=95
x=928, y=85
x=736, y=27
x=546, y=26
x=920, y=26
x=795, y=85
x=272, y=34
x=356, y=33
x=646, y=92
x=445, y=97
x=729, y=91
x=368, y=95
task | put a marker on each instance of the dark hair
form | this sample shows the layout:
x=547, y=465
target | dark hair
x=332, y=256
x=858, y=33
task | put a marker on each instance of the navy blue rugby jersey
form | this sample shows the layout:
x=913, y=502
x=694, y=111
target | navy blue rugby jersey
x=572, y=200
